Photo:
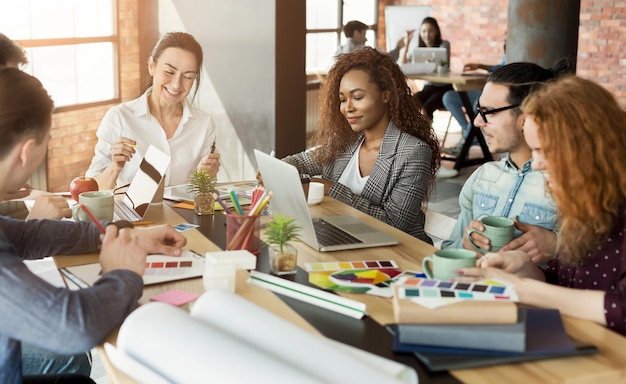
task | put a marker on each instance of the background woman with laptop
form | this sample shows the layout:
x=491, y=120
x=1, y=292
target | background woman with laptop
x=375, y=150
x=431, y=95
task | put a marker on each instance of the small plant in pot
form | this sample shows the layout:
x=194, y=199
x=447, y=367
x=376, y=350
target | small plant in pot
x=279, y=234
x=201, y=185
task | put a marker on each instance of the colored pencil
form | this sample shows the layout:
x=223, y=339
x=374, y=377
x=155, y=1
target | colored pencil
x=93, y=218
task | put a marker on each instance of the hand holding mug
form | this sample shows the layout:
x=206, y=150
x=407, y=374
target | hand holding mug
x=499, y=230
x=446, y=263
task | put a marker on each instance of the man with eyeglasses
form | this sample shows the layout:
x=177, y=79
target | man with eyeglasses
x=509, y=187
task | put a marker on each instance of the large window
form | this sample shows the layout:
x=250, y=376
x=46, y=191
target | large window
x=324, y=21
x=71, y=46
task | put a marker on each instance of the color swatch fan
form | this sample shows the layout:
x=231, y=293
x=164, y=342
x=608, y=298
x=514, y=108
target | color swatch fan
x=372, y=276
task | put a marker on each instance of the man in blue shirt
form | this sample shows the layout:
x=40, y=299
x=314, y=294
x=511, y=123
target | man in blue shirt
x=509, y=187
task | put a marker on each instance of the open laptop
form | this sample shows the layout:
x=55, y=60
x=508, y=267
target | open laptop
x=429, y=54
x=144, y=187
x=288, y=199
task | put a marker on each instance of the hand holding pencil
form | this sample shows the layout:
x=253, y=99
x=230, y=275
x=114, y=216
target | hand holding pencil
x=210, y=162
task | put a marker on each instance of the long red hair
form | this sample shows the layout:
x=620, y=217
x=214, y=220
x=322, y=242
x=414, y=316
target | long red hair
x=582, y=131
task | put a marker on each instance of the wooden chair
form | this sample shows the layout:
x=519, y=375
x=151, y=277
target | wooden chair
x=438, y=226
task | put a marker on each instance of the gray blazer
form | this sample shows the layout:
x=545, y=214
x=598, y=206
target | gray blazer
x=396, y=187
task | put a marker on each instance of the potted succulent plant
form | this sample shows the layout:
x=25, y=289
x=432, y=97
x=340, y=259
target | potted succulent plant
x=201, y=185
x=279, y=234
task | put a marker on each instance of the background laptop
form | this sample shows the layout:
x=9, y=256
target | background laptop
x=144, y=187
x=429, y=54
x=288, y=199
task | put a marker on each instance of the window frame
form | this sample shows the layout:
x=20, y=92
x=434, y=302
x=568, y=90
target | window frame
x=72, y=41
x=339, y=29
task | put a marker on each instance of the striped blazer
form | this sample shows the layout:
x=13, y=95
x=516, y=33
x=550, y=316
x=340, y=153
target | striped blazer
x=396, y=187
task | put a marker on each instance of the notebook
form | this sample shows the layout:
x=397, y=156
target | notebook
x=143, y=187
x=288, y=199
x=545, y=338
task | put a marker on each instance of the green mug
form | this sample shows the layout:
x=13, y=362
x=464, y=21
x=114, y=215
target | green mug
x=99, y=203
x=499, y=230
x=445, y=263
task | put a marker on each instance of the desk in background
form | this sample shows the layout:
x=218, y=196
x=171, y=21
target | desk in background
x=462, y=84
x=609, y=365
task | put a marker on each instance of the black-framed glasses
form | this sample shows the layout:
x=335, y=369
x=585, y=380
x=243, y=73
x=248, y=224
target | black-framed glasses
x=484, y=113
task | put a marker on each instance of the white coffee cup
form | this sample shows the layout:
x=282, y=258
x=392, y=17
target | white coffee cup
x=316, y=193
x=99, y=203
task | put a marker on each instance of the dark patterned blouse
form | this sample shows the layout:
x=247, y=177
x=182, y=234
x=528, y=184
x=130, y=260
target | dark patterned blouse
x=604, y=269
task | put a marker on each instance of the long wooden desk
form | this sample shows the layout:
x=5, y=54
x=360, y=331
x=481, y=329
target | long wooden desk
x=609, y=365
x=462, y=84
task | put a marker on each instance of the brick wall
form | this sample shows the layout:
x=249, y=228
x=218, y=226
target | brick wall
x=74, y=132
x=476, y=30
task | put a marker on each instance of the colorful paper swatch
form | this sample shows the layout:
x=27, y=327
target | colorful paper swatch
x=419, y=289
x=371, y=276
x=339, y=265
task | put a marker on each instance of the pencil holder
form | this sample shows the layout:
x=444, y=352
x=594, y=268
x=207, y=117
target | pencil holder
x=242, y=232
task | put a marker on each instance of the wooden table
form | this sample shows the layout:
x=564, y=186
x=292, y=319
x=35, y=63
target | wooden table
x=607, y=366
x=462, y=84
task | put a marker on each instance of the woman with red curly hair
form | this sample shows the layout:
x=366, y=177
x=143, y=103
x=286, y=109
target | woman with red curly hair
x=577, y=134
x=374, y=150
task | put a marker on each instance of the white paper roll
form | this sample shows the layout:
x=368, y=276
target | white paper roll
x=272, y=334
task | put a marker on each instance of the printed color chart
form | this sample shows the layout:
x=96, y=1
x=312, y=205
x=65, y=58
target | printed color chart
x=336, y=266
x=422, y=288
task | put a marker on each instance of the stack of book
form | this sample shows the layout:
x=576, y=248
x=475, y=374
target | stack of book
x=474, y=333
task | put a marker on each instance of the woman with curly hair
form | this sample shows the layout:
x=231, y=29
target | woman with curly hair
x=577, y=133
x=375, y=151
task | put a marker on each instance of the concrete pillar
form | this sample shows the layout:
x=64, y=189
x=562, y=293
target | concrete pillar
x=542, y=31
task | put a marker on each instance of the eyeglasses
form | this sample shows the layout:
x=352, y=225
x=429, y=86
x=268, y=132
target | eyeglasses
x=484, y=113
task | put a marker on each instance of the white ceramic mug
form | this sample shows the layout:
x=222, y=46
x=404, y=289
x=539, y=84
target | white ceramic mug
x=100, y=203
x=316, y=193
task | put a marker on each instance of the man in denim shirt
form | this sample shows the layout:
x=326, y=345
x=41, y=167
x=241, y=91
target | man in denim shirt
x=509, y=187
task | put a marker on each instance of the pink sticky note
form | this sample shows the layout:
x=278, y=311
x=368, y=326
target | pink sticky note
x=175, y=297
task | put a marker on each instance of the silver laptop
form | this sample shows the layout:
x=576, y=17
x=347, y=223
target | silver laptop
x=288, y=199
x=429, y=54
x=142, y=190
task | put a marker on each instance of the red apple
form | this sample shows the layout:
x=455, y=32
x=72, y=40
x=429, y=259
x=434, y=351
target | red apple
x=82, y=184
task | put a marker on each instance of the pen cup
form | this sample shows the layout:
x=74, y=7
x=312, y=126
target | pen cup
x=243, y=232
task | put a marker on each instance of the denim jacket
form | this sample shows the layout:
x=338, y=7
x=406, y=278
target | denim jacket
x=498, y=188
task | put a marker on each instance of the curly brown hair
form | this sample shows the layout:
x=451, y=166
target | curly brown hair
x=582, y=131
x=334, y=134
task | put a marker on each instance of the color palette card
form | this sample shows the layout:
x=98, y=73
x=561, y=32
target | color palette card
x=339, y=265
x=373, y=277
x=159, y=269
x=433, y=293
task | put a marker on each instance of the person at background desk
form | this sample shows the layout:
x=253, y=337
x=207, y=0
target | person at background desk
x=577, y=133
x=355, y=32
x=355, y=36
x=162, y=117
x=34, y=312
x=430, y=96
x=453, y=103
x=376, y=152
x=509, y=187
x=47, y=206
